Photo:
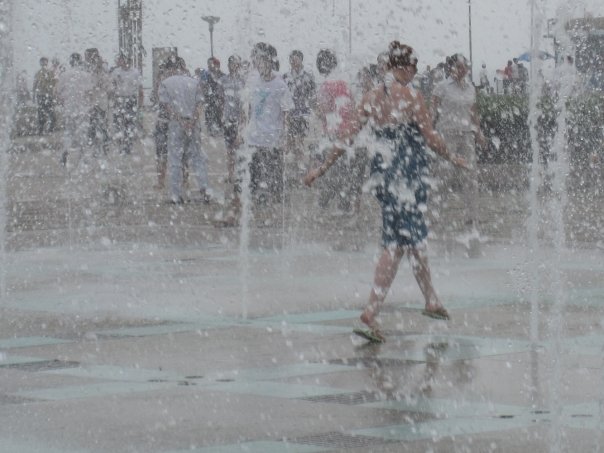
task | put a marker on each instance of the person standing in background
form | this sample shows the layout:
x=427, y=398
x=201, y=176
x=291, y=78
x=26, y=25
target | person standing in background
x=335, y=109
x=160, y=133
x=270, y=103
x=485, y=85
x=98, y=133
x=182, y=98
x=233, y=120
x=301, y=84
x=75, y=91
x=454, y=111
x=23, y=96
x=44, y=97
x=213, y=96
x=128, y=98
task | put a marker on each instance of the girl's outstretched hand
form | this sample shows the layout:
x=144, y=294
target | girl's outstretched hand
x=459, y=161
x=311, y=176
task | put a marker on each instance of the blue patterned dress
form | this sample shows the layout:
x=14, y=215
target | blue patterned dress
x=401, y=185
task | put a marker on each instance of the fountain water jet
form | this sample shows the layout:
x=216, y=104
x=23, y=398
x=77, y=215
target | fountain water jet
x=557, y=203
x=552, y=204
x=535, y=177
x=244, y=234
x=6, y=117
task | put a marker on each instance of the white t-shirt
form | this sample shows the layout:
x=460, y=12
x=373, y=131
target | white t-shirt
x=182, y=93
x=253, y=78
x=456, y=102
x=269, y=102
x=126, y=82
x=484, y=77
x=74, y=89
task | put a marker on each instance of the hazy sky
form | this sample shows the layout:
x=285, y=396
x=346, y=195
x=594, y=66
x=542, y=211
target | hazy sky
x=435, y=28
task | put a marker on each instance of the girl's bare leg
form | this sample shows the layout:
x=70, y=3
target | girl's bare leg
x=421, y=271
x=385, y=272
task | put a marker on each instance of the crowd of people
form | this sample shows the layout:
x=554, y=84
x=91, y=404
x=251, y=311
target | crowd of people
x=266, y=118
x=86, y=95
x=272, y=113
x=515, y=77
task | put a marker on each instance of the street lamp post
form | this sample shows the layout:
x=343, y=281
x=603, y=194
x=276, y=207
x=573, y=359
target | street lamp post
x=211, y=20
x=350, y=26
x=470, y=35
x=6, y=119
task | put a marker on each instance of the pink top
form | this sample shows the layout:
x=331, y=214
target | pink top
x=507, y=72
x=336, y=106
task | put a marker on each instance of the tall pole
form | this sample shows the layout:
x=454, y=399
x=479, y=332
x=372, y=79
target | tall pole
x=120, y=39
x=470, y=37
x=6, y=119
x=212, y=40
x=211, y=20
x=350, y=26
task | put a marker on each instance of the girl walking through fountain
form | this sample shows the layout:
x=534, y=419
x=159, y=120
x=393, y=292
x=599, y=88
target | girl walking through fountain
x=403, y=127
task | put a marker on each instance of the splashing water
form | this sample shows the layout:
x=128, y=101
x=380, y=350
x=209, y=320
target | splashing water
x=244, y=234
x=553, y=207
x=6, y=115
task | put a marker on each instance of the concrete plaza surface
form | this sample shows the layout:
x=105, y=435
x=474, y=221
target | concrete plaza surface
x=131, y=325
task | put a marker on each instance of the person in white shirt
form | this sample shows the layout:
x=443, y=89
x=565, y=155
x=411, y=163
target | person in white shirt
x=182, y=97
x=74, y=90
x=454, y=109
x=270, y=102
x=484, y=78
x=128, y=97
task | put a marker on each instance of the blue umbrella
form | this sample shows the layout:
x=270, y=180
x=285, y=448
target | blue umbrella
x=526, y=56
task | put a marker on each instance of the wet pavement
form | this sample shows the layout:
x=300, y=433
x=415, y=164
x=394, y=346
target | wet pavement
x=128, y=324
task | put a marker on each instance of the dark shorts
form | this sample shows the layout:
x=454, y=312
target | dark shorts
x=403, y=227
x=266, y=174
x=297, y=126
x=231, y=131
x=160, y=134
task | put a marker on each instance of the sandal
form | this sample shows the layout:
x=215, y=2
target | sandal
x=371, y=335
x=439, y=313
